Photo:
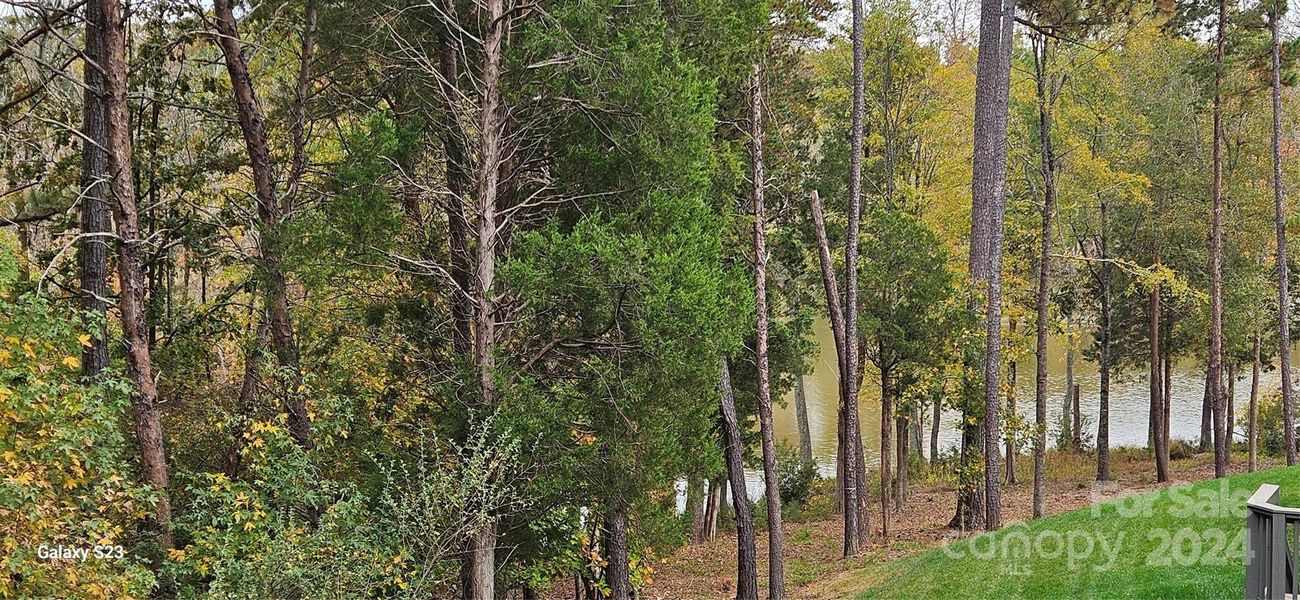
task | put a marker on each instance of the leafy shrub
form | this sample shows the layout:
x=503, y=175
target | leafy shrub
x=1272, y=440
x=1180, y=449
x=794, y=475
x=259, y=536
x=65, y=476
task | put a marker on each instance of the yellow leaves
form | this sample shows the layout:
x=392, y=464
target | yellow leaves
x=582, y=438
x=176, y=555
x=71, y=362
x=5, y=393
x=84, y=340
x=248, y=526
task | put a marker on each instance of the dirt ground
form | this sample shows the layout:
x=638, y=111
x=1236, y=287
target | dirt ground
x=815, y=569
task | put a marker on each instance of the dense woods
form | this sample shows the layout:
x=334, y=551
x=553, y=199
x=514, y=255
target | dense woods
x=486, y=298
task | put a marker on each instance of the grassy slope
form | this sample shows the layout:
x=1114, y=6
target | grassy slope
x=1206, y=520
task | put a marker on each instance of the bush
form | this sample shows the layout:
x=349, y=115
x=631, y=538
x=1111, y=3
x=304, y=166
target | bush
x=66, y=477
x=1180, y=449
x=794, y=475
x=1272, y=442
x=257, y=536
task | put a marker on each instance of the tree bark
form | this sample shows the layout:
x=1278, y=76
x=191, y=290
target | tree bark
x=1216, y=255
x=854, y=523
x=988, y=200
x=1230, y=396
x=915, y=421
x=482, y=561
x=1043, y=294
x=1252, y=439
x=801, y=417
x=934, y=430
x=1071, y=425
x=716, y=490
x=886, y=423
x=746, y=554
x=457, y=226
x=130, y=265
x=1279, y=207
x=1207, y=416
x=1157, y=411
x=1077, y=440
x=1011, y=410
x=695, y=506
x=92, y=254
x=900, y=468
x=1169, y=383
x=1103, y=409
x=270, y=214
x=849, y=443
x=772, y=490
x=616, y=574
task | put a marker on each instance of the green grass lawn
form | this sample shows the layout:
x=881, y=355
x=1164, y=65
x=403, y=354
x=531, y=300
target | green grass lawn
x=1183, y=542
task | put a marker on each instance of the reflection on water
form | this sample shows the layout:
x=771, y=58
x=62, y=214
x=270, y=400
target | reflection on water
x=1129, y=402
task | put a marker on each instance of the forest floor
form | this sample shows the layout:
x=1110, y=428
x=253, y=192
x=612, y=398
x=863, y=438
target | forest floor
x=816, y=570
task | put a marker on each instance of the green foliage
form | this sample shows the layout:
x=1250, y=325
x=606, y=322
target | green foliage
x=267, y=534
x=66, y=477
x=795, y=477
x=1272, y=438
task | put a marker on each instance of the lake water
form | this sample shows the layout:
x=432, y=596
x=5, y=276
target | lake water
x=1129, y=402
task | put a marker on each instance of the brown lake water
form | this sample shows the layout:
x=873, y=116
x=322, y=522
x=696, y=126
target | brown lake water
x=1129, y=402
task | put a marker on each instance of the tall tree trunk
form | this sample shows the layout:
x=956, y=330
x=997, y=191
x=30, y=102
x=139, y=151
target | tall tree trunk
x=801, y=418
x=915, y=420
x=1207, y=416
x=854, y=524
x=841, y=454
x=1216, y=254
x=886, y=423
x=617, y=575
x=970, y=499
x=1169, y=383
x=746, y=555
x=130, y=264
x=1071, y=426
x=1044, y=292
x=1077, y=441
x=716, y=491
x=988, y=201
x=849, y=442
x=1103, y=409
x=1011, y=410
x=1157, y=411
x=934, y=430
x=92, y=254
x=270, y=214
x=772, y=490
x=1279, y=208
x=900, y=468
x=457, y=186
x=481, y=558
x=695, y=506
x=1230, y=397
x=1252, y=439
